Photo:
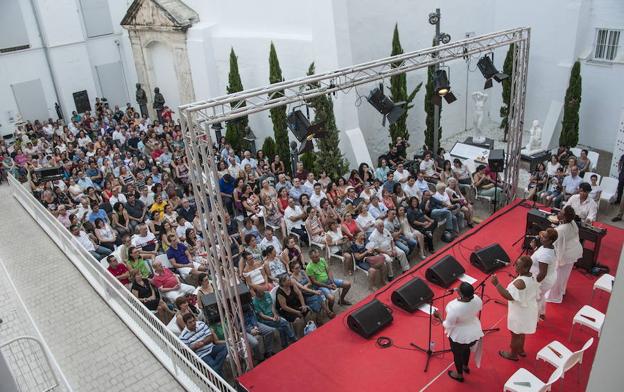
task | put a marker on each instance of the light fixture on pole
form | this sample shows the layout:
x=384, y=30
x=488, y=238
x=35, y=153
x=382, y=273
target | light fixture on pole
x=489, y=71
x=218, y=128
x=444, y=38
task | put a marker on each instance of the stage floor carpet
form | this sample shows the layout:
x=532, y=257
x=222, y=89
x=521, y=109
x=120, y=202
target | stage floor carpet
x=334, y=358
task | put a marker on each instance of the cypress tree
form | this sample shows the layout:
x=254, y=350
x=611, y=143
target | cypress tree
x=398, y=90
x=429, y=109
x=268, y=147
x=278, y=114
x=235, y=129
x=504, y=110
x=329, y=158
x=570, y=123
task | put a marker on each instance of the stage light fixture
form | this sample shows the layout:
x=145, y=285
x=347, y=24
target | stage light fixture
x=434, y=18
x=442, y=87
x=384, y=105
x=444, y=38
x=489, y=71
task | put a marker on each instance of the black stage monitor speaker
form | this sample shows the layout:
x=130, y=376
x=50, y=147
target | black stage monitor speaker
x=445, y=272
x=490, y=258
x=369, y=319
x=496, y=160
x=411, y=295
x=209, y=301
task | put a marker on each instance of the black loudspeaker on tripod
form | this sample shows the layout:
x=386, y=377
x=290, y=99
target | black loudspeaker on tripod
x=445, y=272
x=490, y=258
x=369, y=319
x=412, y=295
x=496, y=160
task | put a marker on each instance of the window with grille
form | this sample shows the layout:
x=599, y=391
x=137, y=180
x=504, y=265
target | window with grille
x=607, y=42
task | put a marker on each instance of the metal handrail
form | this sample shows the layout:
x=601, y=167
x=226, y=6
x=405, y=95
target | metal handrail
x=186, y=367
x=26, y=378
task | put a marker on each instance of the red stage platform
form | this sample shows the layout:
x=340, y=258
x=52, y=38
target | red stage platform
x=334, y=358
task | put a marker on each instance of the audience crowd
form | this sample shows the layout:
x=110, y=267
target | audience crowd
x=124, y=194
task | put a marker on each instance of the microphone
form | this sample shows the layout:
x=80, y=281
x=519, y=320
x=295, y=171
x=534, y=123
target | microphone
x=532, y=236
x=451, y=291
x=505, y=263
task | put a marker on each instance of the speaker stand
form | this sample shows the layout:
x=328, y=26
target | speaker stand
x=430, y=353
x=496, y=194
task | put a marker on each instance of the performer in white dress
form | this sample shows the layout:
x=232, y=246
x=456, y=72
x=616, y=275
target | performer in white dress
x=463, y=327
x=568, y=250
x=544, y=267
x=521, y=295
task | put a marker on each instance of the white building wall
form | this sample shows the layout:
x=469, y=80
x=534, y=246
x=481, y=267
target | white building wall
x=337, y=34
x=73, y=56
x=603, y=82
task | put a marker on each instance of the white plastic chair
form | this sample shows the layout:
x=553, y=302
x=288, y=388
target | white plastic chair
x=558, y=355
x=321, y=245
x=587, y=177
x=164, y=260
x=609, y=188
x=589, y=317
x=604, y=283
x=525, y=381
x=273, y=293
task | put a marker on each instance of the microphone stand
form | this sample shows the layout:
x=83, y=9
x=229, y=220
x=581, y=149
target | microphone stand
x=428, y=350
x=482, y=285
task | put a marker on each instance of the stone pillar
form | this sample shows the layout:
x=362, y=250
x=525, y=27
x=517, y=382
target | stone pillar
x=183, y=68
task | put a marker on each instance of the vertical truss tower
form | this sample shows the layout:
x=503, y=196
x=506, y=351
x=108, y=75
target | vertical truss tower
x=197, y=117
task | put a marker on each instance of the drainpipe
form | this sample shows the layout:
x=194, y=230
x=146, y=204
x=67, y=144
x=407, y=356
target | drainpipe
x=46, y=54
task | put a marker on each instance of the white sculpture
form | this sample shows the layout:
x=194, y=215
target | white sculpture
x=479, y=100
x=535, y=141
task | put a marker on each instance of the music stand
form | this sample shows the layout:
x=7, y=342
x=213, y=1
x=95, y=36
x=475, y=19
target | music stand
x=428, y=350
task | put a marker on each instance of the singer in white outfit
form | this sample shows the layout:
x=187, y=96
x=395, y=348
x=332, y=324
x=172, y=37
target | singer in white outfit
x=544, y=267
x=568, y=250
x=463, y=328
x=521, y=295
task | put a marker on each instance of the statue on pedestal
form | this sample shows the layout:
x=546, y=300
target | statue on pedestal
x=141, y=99
x=479, y=99
x=535, y=140
x=159, y=104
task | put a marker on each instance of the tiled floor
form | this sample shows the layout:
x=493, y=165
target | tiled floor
x=94, y=349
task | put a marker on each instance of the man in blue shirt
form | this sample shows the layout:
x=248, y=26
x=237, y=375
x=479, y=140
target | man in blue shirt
x=226, y=186
x=180, y=258
x=200, y=339
x=96, y=213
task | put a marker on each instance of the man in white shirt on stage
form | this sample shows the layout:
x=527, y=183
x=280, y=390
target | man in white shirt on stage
x=584, y=206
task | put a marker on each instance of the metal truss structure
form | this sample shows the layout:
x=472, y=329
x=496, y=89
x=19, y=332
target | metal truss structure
x=197, y=117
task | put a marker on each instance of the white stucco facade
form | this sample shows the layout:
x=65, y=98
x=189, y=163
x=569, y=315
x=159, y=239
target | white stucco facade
x=336, y=34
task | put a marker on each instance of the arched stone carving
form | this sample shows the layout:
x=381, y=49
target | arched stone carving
x=163, y=21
